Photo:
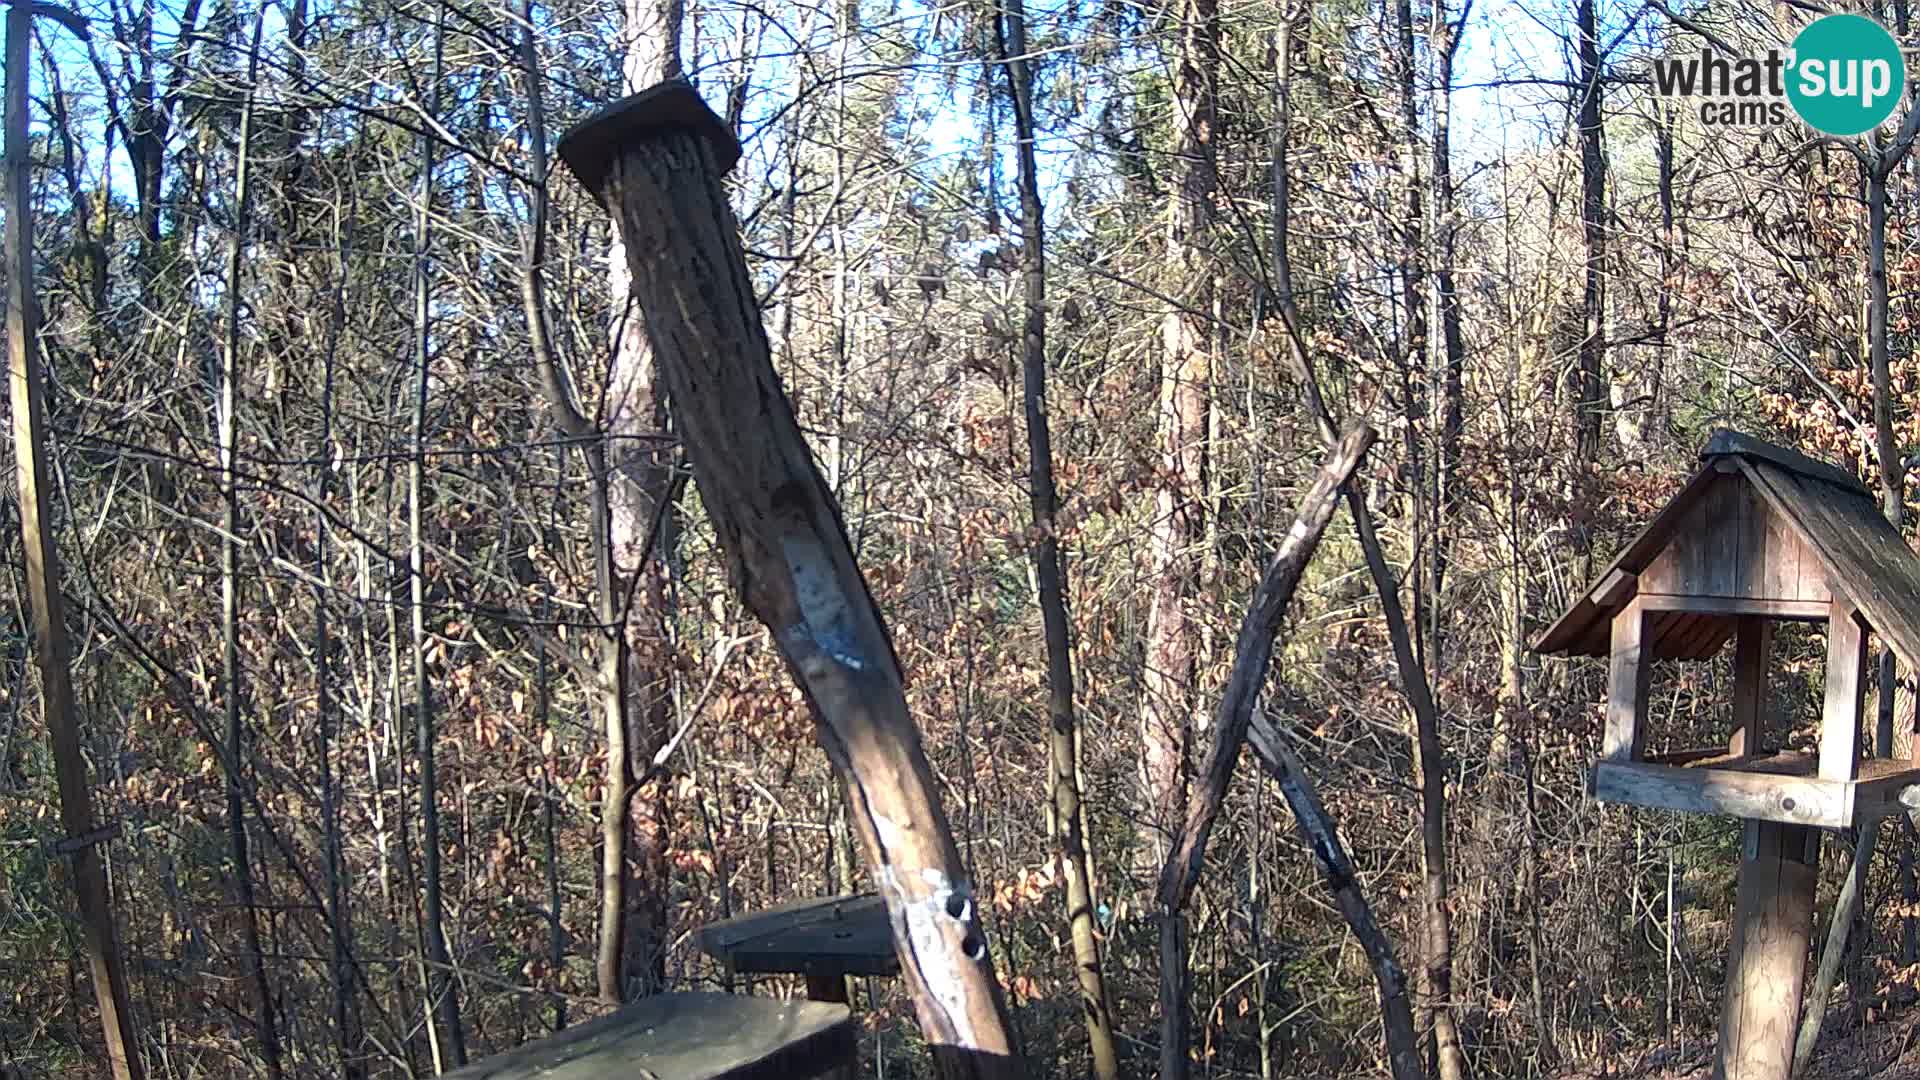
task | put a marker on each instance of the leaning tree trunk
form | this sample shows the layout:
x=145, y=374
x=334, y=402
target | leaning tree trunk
x=655, y=160
x=1321, y=834
x=1063, y=780
x=1252, y=655
x=51, y=648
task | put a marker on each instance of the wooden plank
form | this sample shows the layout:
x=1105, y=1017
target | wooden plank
x=1722, y=632
x=1756, y=544
x=1799, y=610
x=1773, y=925
x=1727, y=441
x=1752, y=648
x=1704, y=639
x=1716, y=543
x=687, y=1037
x=1708, y=755
x=1736, y=792
x=1845, y=693
x=1882, y=788
x=832, y=937
x=1630, y=667
x=1616, y=587
x=1667, y=629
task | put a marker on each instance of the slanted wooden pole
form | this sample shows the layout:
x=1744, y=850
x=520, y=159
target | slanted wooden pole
x=26, y=384
x=1252, y=656
x=655, y=160
x=1772, y=927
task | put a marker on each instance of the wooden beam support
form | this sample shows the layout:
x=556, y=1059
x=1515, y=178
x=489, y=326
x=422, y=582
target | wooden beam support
x=655, y=161
x=1631, y=667
x=1752, y=646
x=1773, y=925
x=1846, y=691
x=1769, y=796
x=1799, y=610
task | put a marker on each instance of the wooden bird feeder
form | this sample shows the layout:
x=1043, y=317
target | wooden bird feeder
x=1760, y=534
x=825, y=940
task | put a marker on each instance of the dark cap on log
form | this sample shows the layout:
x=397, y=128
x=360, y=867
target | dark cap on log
x=589, y=147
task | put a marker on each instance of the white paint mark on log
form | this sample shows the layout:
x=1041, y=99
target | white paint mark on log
x=824, y=609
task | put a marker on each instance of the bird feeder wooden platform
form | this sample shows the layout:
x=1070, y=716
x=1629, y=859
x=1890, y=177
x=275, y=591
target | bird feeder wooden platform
x=825, y=939
x=688, y=1037
x=1760, y=534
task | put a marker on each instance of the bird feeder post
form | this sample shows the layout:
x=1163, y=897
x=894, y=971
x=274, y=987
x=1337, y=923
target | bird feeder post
x=655, y=161
x=1772, y=930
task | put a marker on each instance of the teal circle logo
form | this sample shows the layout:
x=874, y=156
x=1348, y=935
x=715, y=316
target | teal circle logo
x=1847, y=74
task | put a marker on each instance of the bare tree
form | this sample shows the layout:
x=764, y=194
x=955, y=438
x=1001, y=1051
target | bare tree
x=52, y=650
x=228, y=406
x=443, y=993
x=1063, y=779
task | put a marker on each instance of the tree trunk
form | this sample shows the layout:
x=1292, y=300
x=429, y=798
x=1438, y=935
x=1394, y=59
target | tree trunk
x=1591, y=400
x=236, y=750
x=637, y=473
x=51, y=648
x=656, y=161
x=442, y=990
x=1063, y=781
x=1253, y=654
x=1449, y=344
x=1172, y=634
x=1436, y=931
x=327, y=712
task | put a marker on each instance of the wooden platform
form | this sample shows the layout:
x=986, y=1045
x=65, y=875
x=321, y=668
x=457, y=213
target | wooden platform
x=687, y=1037
x=1778, y=786
x=835, y=936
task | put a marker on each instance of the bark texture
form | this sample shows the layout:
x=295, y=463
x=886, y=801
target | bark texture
x=787, y=552
x=1172, y=634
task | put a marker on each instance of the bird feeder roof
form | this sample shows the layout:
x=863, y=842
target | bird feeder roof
x=1758, y=524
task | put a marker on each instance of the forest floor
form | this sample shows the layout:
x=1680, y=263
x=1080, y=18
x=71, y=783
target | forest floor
x=1886, y=1049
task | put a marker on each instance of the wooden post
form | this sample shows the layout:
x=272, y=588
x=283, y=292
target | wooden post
x=655, y=160
x=1753, y=644
x=1846, y=689
x=1773, y=925
x=27, y=389
x=1627, y=676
